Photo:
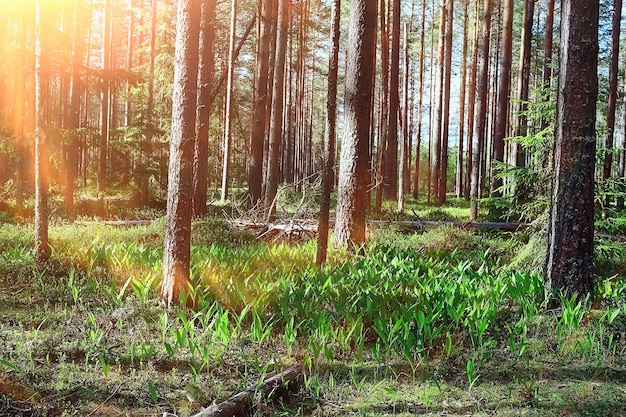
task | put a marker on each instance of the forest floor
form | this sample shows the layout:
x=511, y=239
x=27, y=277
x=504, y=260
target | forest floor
x=442, y=321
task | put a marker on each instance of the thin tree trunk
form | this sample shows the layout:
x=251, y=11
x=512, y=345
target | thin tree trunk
x=547, y=59
x=177, y=242
x=330, y=135
x=481, y=116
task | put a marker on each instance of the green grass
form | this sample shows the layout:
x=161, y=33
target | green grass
x=423, y=324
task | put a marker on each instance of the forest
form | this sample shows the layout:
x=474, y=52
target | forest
x=312, y=207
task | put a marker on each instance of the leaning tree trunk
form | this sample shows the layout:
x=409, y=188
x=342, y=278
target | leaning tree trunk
x=482, y=93
x=353, y=178
x=42, y=245
x=330, y=134
x=177, y=242
x=570, y=229
x=203, y=112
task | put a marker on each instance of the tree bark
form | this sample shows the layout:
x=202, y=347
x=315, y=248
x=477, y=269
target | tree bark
x=482, y=93
x=177, y=242
x=203, y=112
x=570, y=229
x=353, y=178
x=621, y=166
x=438, y=116
x=547, y=58
x=330, y=135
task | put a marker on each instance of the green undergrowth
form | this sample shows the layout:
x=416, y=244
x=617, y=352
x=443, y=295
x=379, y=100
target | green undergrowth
x=431, y=323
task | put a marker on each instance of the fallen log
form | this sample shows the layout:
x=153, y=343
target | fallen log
x=242, y=401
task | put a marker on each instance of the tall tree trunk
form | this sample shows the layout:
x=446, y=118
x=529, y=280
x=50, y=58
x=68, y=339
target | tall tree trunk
x=384, y=106
x=482, y=93
x=445, y=121
x=420, y=90
x=610, y=114
x=150, y=123
x=523, y=80
x=353, y=178
x=621, y=166
x=459, y=163
x=42, y=245
x=391, y=160
x=73, y=119
x=471, y=106
x=276, y=127
x=203, y=112
x=177, y=242
x=504, y=87
x=20, y=127
x=437, y=137
x=329, y=136
x=229, y=101
x=570, y=229
x=547, y=58
x=129, y=60
x=405, y=123
x=260, y=104
x=105, y=109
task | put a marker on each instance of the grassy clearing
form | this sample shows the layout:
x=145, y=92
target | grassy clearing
x=432, y=323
